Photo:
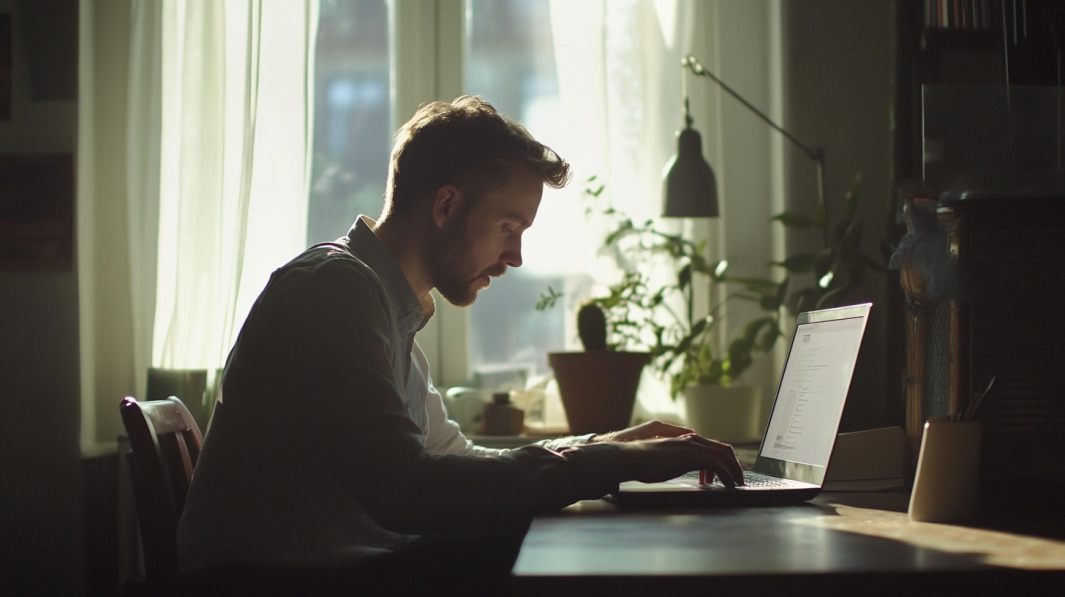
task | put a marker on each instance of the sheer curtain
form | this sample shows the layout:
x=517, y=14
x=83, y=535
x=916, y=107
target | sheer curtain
x=619, y=90
x=194, y=129
x=114, y=210
x=236, y=139
x=620, y=94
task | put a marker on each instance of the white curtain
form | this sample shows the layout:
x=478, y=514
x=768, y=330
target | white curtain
x=117, y=207
x=236, y=140
x=142, y=155
x=619, y=86
x=620, y=93
x=194, y=137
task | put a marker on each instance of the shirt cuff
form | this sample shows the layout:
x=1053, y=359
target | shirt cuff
x=565, y=442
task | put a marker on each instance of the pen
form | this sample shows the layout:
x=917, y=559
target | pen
x=974, y=404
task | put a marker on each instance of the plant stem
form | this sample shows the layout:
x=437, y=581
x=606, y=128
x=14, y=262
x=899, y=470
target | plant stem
x=691, y=304
x=819, y=159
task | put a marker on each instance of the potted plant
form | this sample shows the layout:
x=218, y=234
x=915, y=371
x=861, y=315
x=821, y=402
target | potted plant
x=684, y=347
x=660, y=317
x=597, y=386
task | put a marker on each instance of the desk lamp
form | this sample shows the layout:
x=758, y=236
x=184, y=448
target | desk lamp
x=689, y=184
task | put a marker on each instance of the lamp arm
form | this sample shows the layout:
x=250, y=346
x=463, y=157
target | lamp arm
x=817, y=154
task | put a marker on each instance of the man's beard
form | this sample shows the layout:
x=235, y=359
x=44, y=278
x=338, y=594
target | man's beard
x=451, y=265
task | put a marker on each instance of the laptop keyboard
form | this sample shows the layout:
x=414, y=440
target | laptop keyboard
x=751, y=480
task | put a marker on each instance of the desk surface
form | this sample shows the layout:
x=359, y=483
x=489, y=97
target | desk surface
x=593, y=547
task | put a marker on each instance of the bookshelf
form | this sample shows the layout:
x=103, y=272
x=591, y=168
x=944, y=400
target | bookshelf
x=999, y=220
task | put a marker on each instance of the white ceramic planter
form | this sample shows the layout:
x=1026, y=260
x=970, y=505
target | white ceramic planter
x=728, y=414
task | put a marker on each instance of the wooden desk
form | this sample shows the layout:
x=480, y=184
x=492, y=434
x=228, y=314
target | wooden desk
x=837, y=544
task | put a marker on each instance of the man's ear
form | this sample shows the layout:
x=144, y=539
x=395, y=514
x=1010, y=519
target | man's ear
x=445, y=204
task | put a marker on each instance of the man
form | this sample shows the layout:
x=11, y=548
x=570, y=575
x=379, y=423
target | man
x=330, y=446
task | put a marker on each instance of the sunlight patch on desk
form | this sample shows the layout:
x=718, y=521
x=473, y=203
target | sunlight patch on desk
x=994, y=548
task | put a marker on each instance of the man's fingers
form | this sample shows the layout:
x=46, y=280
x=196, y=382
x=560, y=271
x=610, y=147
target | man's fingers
x=660, y=459
x=724, y=457
x=706, y=477
x=724, y=476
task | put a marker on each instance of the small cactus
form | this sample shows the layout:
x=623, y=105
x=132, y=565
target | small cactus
x=591, y=325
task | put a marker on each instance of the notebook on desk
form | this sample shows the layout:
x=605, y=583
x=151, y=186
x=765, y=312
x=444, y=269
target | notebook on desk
x=801, y=430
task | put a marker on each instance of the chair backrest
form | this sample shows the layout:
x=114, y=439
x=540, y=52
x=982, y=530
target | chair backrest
x=165, y=445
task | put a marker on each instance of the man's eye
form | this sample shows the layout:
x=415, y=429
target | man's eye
x=507, y=230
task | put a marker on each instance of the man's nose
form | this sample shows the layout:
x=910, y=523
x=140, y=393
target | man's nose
x=512, y=256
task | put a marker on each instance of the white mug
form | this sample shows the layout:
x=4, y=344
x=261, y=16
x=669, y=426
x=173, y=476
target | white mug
x=947, y=485
x=465, y=406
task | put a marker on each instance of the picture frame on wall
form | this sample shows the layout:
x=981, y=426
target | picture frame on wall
x=37, y=211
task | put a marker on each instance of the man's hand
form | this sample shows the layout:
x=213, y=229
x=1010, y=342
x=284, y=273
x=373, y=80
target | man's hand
x=656, y=460
x=648, y=430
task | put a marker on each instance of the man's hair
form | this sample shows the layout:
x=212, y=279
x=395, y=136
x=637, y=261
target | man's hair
x=468, y=144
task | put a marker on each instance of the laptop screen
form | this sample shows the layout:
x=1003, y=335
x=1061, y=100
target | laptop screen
x=813, y=388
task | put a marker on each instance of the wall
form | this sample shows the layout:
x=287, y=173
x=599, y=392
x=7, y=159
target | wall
x=40, y=485
x=838, y=68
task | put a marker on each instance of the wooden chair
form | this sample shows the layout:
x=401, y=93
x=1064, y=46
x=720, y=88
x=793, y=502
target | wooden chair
x=165, y=444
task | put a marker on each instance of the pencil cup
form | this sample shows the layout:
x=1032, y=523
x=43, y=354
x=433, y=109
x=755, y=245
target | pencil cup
x=946, y=488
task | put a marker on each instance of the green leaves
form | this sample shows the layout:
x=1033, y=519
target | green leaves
x=593, y=191
x=839, y=266
x=798, y=264
x=712, y=370
x=769, y=336
x=739, y=356
x=772, y=302
x=755, y=285
x=548, y=300
x=685, y=276
x=644, y=313
x=624, y=227
x=720, y=269
x=793, y=219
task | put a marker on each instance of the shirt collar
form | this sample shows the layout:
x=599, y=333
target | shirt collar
x=411, y=313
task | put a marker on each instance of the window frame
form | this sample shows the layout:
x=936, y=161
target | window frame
x=427, y=62
x=427, y=54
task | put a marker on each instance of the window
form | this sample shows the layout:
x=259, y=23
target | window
x=510, y=61
x=611, y=108
x=352, y=136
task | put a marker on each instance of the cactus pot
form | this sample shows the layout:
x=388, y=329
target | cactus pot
x=598, y=387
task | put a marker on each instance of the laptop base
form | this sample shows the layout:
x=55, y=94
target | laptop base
x=675, y=495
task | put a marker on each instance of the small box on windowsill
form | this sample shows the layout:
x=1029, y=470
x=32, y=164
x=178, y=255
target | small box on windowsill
x=872, y=460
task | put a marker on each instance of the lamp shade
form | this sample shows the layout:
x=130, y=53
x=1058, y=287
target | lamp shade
x=689, y=187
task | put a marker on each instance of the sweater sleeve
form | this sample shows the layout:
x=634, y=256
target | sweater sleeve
x=445, y=437
x=330, y=342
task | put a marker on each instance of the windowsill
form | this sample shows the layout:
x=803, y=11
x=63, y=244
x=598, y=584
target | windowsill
x=513, y=441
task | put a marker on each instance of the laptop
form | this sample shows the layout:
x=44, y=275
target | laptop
x=801, y=430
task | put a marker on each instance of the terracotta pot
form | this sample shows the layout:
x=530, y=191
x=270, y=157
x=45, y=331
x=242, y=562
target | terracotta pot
x=729, y=414
x=598, y=387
